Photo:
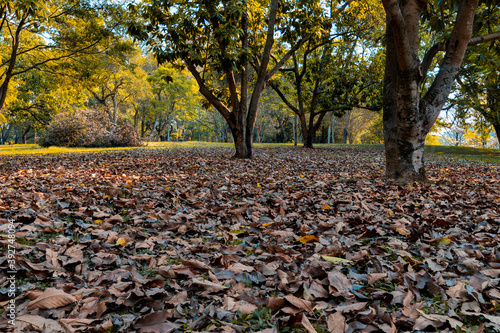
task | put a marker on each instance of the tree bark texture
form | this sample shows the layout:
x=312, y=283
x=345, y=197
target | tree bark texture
x=407, y=116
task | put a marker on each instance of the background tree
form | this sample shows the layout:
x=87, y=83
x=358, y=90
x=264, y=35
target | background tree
x=218, y=40
x=173, y=91
x=39, y=97
x=25, y=47
x=479, y=84
x=330, y=74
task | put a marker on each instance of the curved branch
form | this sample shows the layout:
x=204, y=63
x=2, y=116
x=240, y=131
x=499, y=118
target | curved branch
x=205, y=91
x=283, y=97
x=441, y=47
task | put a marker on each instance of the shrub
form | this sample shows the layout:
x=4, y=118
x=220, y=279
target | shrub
x=88, y=129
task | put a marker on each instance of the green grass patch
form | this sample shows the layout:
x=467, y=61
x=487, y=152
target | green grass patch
x=468, y=153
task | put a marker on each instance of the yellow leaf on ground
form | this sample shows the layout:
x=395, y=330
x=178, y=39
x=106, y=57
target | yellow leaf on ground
x=445, y=241
x=121, y=241
x=325, y=206
x=402, y=232
x=308, y=239
x=336, y=260
x=267, y=224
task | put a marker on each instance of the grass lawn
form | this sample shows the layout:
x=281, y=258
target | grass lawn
x=467, y=153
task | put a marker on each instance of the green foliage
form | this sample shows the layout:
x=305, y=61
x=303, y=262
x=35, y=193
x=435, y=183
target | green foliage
x=375, y=133
x=259, y=319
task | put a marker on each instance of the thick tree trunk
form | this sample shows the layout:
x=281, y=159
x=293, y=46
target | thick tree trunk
x=168, y=127
x=143, y=125
x=9, y=72
x=404, y=134
x=408, y=117
x=240, y=143
x=305, y=131
x=309, y=140
x=115, y=109
x=497, y=131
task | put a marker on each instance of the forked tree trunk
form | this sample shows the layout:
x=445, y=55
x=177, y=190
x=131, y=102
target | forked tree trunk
x=404, y=133
x=497, y=131
x=408, y=117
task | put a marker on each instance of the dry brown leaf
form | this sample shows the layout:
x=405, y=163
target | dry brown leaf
x=24, y=322
x=51, y=298
x=209, y=287
x=351, y=307
x=195, y=264
x=155, y=322
x=374, y=277
x=435, y=320
x=114, y=219
x=317, y=290
x=339, y=281
x=300, y=303
x=336, y=323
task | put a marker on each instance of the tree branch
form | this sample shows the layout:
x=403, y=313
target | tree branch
x=26, y=69
x=287, y=56
x=283, y=97
x=205, y=91
x=434, y=99
x=397, y=22
x=441, y=47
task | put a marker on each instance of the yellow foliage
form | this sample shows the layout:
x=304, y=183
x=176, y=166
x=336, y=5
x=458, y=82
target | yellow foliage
x=121, y=241
x=308, y=239
x=432, y=140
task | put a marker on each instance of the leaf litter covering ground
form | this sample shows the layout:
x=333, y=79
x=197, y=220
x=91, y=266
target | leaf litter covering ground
x=189, y=240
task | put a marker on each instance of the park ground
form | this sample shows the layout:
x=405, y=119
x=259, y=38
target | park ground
x=182, y=238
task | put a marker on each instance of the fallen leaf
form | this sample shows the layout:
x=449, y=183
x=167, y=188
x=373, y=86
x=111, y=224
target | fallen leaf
x=336, y=260
x=51, y=298
x=336, y=323
x=308, y=239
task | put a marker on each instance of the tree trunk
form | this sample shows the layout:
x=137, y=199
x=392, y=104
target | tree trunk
x=115, y=109
x=407, y=117
x=404, y=134
x=153, y=128
x=497, y=132
x=168, y=127
x=305, y=131
x=345, y=132
x=333, y=129
x=25, y=134
x=143, y=125
x=9, y=72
